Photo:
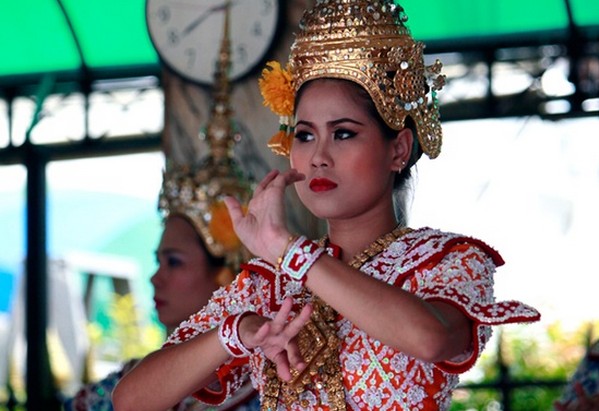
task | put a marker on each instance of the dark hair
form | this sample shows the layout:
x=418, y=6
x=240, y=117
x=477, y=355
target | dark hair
x=402, y=182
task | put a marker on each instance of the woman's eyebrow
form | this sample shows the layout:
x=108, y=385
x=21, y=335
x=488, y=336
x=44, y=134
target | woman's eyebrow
x=345, y=120
x=331, y=123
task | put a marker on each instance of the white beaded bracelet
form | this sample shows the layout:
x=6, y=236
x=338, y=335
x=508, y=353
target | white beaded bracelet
x=228, y=334
x=302, y=254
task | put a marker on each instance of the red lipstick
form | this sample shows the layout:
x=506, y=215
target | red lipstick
x=158, y=302
x=321, y=184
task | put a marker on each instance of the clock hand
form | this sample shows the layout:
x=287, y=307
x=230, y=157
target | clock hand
x=198, y=21
x=203, y=17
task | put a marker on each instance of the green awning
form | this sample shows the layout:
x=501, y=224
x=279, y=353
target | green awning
x=40, y=36
x=77, y=39
x=483, y=20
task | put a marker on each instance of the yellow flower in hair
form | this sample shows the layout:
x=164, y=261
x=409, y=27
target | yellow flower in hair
x=221, y=227
x=277, y=91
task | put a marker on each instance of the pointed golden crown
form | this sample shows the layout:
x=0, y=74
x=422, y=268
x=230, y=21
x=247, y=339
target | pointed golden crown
x=196, y=191
x=367, y=42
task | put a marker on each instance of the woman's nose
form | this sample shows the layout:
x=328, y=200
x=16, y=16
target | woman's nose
x=321, y=156
x=156, y=277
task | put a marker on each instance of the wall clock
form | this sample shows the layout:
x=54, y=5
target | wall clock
x=187, y=34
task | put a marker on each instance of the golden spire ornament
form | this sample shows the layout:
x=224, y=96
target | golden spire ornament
x=196, y=191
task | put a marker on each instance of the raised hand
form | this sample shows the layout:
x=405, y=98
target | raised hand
x=263, y=228
x=277, y=337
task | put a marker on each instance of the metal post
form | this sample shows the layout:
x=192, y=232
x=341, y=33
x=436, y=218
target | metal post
x=41, y=394
x=504, y=377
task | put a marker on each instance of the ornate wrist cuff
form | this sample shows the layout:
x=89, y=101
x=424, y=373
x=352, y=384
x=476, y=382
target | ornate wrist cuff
x=300, y=257
x=228, y=334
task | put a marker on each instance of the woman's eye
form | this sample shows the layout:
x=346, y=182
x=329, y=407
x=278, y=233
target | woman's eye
x=173, y=261
x=304, y=136
x=343, y=134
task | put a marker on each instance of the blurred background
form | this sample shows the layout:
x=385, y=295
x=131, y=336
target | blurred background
x=89, y=96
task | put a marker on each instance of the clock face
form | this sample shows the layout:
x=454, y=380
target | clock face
x=187, y=34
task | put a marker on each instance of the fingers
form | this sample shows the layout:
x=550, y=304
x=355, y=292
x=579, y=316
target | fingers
x=280, y=319
x=282, y=364
x=294, y=356
x=298, y=322
x=234, y=208
x=262, y=333
x=277, y=338
x=293, y=176
x=268, y=178
x=290, y=329
x=277, y=179
x=306, y=312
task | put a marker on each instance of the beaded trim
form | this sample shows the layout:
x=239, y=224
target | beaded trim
x=319, y=345
x=228, y=334
x=302, y=254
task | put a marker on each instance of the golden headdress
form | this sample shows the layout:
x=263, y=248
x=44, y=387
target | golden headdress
x=196, y=191
x=366, y=42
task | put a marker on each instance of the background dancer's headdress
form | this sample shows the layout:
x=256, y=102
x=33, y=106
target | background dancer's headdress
x=366, y=42
x=196, y=191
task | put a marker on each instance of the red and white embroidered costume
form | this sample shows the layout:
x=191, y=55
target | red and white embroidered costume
x=431, y=264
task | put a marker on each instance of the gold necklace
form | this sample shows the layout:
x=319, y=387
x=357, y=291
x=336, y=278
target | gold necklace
x=378, y=246
x=319, y=346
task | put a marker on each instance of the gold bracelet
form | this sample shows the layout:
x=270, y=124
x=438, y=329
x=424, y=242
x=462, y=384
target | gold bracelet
x=282, y=256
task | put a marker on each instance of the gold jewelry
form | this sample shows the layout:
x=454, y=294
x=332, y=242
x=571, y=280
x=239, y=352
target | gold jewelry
x=196, y=191
x=366, y=42
x=319, y=345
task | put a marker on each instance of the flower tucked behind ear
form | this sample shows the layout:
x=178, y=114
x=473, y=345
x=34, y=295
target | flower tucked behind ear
x=277, y=90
